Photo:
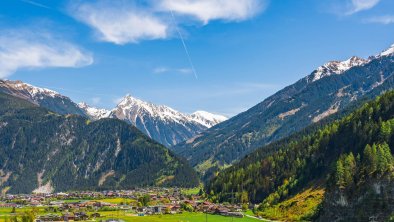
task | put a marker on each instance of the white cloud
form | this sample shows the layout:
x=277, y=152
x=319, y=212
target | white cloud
x=127, y=21
x=161, y=70
x=207, y=10
x=21, y=49
x=384, y=19
x=120, y=23
x=361, y=5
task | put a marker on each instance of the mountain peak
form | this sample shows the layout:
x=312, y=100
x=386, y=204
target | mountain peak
x=127, y=97
x=47, y=98
x=128, y=100
x=336, y=67
x=161, y=122
x=93, y=112
x=207, y=119
x=387, y=52
x=33, y=91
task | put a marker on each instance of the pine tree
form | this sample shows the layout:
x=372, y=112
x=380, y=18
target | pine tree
x=350, y=169
x=384, y=158
x=370, y=161
x=340, y=174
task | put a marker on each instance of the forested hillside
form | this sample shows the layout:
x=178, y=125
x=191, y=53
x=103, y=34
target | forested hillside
x=350, y=159
x=52, y=152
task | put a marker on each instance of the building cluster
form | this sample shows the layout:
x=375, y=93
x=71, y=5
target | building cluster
x=79, y=206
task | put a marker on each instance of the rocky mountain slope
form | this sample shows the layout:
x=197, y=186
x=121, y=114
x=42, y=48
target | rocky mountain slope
x=45, y=151
x=342, y=171
x=329, y=89
x=40, y=96
x=161, y=123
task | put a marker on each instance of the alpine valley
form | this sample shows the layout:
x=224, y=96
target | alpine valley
x=241, y=111
x=318, y=150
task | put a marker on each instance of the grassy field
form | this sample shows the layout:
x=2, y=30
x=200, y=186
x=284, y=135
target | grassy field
x=185, y=217
x=7, y=210
x=249, y=212
x=191, y=191
x=114, y=200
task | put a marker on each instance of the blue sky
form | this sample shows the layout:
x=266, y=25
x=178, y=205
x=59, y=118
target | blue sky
x=242, y=50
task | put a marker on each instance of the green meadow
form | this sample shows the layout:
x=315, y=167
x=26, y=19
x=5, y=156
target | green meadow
x=184, y=217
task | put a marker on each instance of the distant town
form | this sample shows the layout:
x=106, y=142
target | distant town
x=112, y=205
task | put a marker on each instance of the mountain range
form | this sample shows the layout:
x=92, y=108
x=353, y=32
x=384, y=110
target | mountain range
x=43, y=151
x=161, y=123
x=330, y=89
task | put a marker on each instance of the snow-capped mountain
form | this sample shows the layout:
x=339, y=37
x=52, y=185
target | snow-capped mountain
x=336, y=67
x=133, y=109
x=339, y=67
x=40, y=96
x=93, y=112
x=387, y=52
x=159, y=122
x=163, y=123
x=207, y=119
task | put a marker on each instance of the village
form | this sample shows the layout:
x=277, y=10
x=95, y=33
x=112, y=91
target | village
x=112, y=205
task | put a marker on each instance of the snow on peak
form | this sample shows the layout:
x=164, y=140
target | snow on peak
x=387, y=52
x=337, y=67
x=133, y=107
x=94, y=113
x=33, y=91
x=129, y=101
x=207, y=119
x=133, y=110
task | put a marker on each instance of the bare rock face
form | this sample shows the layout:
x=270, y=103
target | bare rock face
x=372, y=201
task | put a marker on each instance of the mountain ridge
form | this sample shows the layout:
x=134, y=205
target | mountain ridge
x=43, y=97
x=289, y=110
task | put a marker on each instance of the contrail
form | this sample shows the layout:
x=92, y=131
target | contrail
x=184, y=46
x=35, y=4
